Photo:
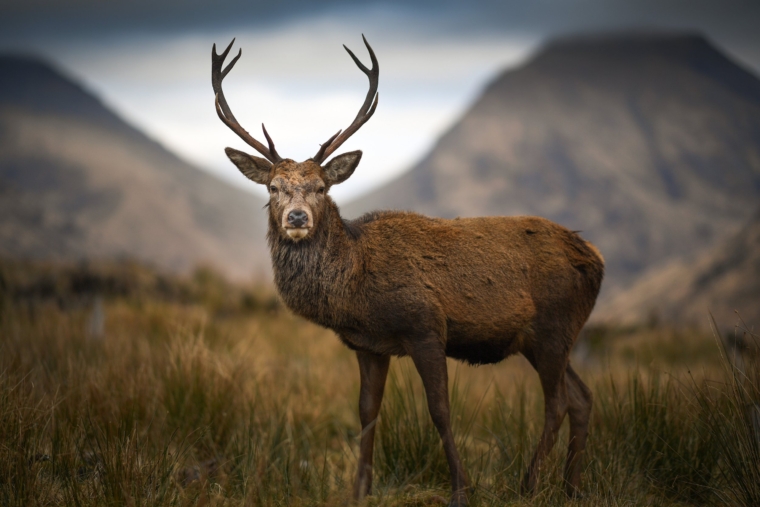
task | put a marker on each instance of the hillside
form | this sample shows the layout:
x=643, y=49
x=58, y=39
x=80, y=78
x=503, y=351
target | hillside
x=78, y=182
x=722, y=281
x=648, y=143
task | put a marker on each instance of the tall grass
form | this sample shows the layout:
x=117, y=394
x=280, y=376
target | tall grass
x=199, y=392
x=649, y=428
x=731, y=408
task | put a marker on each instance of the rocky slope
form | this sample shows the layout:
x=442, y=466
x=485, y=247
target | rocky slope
x=721, y=282
x=78, y=182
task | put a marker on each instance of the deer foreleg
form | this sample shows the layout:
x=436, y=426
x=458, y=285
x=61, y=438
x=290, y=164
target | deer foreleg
x=430, y=360
x=373, y=370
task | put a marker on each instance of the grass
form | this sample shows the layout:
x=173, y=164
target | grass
x=123, y=386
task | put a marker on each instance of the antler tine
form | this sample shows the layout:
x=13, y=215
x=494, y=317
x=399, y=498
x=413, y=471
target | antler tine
x=365, y=112
x=223, y=109
x=270, y=143
x=217, y=75
x=320, y=156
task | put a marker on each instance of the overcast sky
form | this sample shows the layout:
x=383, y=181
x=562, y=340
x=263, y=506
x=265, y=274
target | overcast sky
x=150, y=60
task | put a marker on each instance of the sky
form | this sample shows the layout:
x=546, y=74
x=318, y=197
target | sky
x=150, y=61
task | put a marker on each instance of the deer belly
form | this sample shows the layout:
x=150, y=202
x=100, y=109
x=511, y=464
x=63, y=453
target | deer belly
x=485, y=342
x=384, y=346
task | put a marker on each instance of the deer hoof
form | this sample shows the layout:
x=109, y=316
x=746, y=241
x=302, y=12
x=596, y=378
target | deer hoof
x=458, y=499
x=573, y=493
x=528, y=486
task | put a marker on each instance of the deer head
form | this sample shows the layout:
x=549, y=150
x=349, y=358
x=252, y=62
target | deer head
x=297, y=190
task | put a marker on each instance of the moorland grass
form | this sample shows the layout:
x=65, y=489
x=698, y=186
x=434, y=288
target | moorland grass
x=196, y=391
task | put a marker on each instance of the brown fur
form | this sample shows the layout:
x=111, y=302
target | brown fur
x=395, y=283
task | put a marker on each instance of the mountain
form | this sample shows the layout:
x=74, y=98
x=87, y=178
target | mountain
x=648, y=143
x=722, y=281
x=76, y=182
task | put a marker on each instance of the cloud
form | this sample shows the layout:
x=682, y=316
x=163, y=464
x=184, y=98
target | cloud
x=86, y=18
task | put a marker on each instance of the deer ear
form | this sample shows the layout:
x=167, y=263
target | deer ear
x=254, y=168
x=341, y=167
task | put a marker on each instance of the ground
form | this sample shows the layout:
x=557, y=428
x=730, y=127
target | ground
x=120, y=385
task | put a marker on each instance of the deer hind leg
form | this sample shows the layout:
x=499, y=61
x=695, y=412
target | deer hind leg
x=429, y=358
x=373, y=370
x=552, y=376
x=579, y=400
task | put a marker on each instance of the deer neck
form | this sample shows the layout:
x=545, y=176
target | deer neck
x=313, y=276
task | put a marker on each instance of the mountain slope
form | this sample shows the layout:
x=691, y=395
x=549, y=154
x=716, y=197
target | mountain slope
x=722, y=281
x=649, y=144
x=78, y=182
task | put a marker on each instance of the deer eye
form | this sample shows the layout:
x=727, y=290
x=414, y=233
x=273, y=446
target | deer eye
x=321, y=190
x=273, y=189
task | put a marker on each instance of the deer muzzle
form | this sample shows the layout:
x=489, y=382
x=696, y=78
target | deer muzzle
x=297, y=223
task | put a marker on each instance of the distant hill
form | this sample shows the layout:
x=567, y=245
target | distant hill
x=648, y=143
x=76, y=182
x=722, y=281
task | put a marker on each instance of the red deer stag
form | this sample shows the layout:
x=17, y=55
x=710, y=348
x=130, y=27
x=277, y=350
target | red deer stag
x=394, y=283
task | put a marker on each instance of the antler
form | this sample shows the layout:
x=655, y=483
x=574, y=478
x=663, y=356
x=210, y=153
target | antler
x=223, y=110
x=365, y=113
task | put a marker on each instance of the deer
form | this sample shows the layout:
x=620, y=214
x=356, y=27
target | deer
x=397, y=283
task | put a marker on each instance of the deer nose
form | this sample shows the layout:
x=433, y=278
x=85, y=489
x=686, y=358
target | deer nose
x=298, y=218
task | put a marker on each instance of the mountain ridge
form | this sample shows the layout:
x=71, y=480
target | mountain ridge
x=36, y=85
x=79, y=182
